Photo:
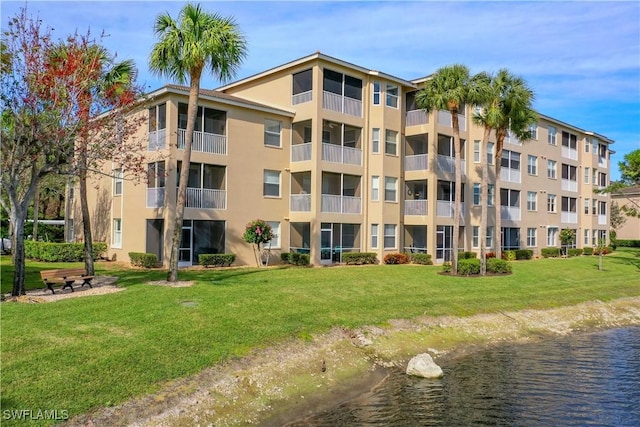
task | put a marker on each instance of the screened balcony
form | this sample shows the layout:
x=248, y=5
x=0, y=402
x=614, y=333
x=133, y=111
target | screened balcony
x=416, y=152
x=415, y=239
x=301, y=148
x=300, y=237
x=445, y=160
x=341, y=193
x=300, y=192
x=206, y=187
x=414, y=115
x=342, y=93
x=446, y=199
x=157, y=140
x=209, y=135
x=444, y=119
x=415, y=202
x=341, y=143
x=569, y=146
x=302, y=90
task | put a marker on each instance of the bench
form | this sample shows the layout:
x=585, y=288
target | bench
x=65, y=275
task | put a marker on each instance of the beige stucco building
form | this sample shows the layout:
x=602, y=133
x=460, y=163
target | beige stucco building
x=338, y=158
x=629, y=197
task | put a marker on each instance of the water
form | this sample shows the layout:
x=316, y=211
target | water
x=586, y=379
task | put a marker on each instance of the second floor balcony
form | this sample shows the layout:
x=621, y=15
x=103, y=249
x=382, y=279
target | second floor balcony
x=446, y=209
x=415, y=207
x=569, y=217
x=510, y=175
x=300, y=203
x=204, y=142
x=301, y=152
x=342, y=104
x=569, y=153
x=569, y=185
x=416, y=162
x=447, y=164
x=157, y=140
x=341, y=154
x=332, y=203
x=444, y=119
x=510, y=213
x=206, y=198
x=602, y=220
x=155, y=197
x=416, y=118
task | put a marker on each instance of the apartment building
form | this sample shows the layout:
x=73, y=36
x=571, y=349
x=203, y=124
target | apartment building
x=338, y=158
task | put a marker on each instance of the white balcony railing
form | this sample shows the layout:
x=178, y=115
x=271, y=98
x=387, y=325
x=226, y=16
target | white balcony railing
x=339, y=154
x=602, y=162
x=569, y=217
x=418, y=162
x=415, y=207
x=157, y=140
x=341, y=104
x=446, y=209
x=205, y=198
x=569, y=153
x=417, y=117
x=341, y=204
x=568, y=185
x=301, y=98
x=204, y=142
x=155, y=197
x=444, y=119
x=300, y=203
x=301, y=152
x=511, y=175
x=447, y=164
x=602, y=220
x=510, y=213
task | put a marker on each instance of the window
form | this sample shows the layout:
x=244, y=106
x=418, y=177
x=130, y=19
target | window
x=532, y=165
x=509, y=197
x=272, y=133
x=510, y=159
x=271, y=186
x=390, y=236
x=490, y=237
x=116, y=241
x=510, y=238
x=531, y=237
x=602, y=179
x=391, y=142
x=586, y=175
x=552, y=235
x=156, y=175
x=374, y=236
x=551, y=169
x=376, y=93
x=302, y=82
x=602, y=208
x=375, y=140
x=594, y=177
x=569, y=140
x=587, y=145
x=341, y=84
x=208, y=120
x=118, y=181
x=533, y=130
x=594, y=237
x=392, y=95
x=375, y=188
x=157, y=117
x=587, y=209
x=490, y=147
x=476, y=151
x=476, y=237
x=568, y=204
x=390, y=189
x=569, y=172
x=491, y=197
x=476, y=193
x=275, y=229
x=532, y=201
x=551, y=203
x=594, y=207
x=552, y=135
x=586, y=237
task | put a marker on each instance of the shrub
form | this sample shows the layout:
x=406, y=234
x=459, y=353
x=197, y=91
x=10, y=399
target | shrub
x=446, y=267
x=467, y=255
x=396, y=258
x=216, y=260
x=424, y=259
x=524, y=254
x=359, y=258
x=284, y=257
x=574, y=252
x=60, y=252
x=299, y=259
x=550, y=252
x=627, y=243
x=509, y=255
x=490, y=255
x=587, y=251
x=605, y=250
x=140, y=259
x=468, y=266
x=498, y=266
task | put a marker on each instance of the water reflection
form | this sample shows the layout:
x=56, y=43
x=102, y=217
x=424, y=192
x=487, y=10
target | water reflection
x=583, y=379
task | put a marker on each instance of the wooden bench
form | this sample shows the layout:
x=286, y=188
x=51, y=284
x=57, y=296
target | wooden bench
x=65, y=275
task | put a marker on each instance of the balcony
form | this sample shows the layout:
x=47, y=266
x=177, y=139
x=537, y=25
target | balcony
x=569, y=153
x=206, y=198
x=301, y=98
x=157, y=140
x=569, y=217
x=602, y=162
x=341, y=204
x=342, y=104
x=511, y=175
x=418, y=162
x=444, y=119
x=340, y=154
x=510, y=213
x=447, y=164
x=446, y=209
x=155, y=197
x=204, y=142
x=415, y=207
x=602, y=220
x=300, y=203
x=416, y=118
x=569, y=185
x=301, y=152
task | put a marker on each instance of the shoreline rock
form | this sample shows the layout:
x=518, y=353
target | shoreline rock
x=423, y=366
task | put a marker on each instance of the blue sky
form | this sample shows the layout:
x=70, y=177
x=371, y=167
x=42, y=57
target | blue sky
x=582, y=58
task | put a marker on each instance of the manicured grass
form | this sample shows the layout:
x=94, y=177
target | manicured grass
x=84, y=353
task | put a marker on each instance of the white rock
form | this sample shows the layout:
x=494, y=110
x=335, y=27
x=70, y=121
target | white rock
x=423, y=366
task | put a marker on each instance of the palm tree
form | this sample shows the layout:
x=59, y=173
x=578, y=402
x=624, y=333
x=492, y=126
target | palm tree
x=450, y=88
x=197, y=40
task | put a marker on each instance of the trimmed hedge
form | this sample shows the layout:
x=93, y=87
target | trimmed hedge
x=396, y=258
x=550, y=252
x=499, y=266
x=359, y=258
x=467, y=255
x=216, y=260
x=571, y=252
x=60, y=252
x=418, y=258
x=141, y=259
x=626, y=243
x=522, y=254
x=468, y=266
x=587, y=251
x=295, y=258
x=605, y=250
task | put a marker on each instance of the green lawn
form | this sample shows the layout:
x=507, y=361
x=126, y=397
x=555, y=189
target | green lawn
x=83, y=353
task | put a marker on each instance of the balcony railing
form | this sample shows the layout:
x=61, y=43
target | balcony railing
x=415, y=207
x=446, y=209
x=417, y=117
x=341, y=204
x=341, y=104
x=569, y=153
x=417, y=162
x=569, y=185
x=447, y=164
x=301, y=98
x=204, y=142
x=510, y=213
x=444, y=119
x=157, y=140
x=300, y=203
x=301, y=152
x=602, y=162
x=569, y=217
x=511, y=175
x=339, y=154
x=205, y=198
x=602, y=220
x=155, y=197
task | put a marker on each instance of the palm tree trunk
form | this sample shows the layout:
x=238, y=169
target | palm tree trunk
x=192, y=110
x=484, y=203
x=457, y=190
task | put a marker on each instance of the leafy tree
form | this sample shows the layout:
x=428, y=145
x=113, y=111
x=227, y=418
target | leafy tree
x=258, y=233
x=187, y=46
x=617, y=217
x=630, y=168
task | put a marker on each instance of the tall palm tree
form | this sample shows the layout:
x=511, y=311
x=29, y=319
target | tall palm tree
x=450, y=88
x=186, y=46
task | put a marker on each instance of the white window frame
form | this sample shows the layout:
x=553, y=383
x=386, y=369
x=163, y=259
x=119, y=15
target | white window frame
x=587, y=180
x=376, y=89
x=476, y=151
x=532, y=201
x=552, y=139
x=271, y=173
x=532, y=237
x=270, y=134
x=489, y=237
x=552, y=203
x=390, y=232
x=116, y=235
x=552, y=169
x=374, y=236
x=594, y=176
x=375, y=140
x=375, y=188
x=587, y=206
x=491, y=195
x=390, y=181
x=391, y=140
x=475, y=240
x=391, y=100
x=587, y=236
x=275, y=228
x=490, y=152
x=552, y=236
x=118, y=182
x=587, y=145
x=533, y=129
x=477, y=193
x=532, y=165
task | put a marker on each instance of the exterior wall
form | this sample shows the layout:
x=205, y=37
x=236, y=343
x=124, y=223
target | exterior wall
x=630, y=230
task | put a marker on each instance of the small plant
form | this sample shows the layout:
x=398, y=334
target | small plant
x=550, y=252
x=572, y=252
x=587, y=251
x=424, y=259
x=396, y=258
x=140, y=259
x=446, y=267
x=498, y=266
x=299, y=259
x=522, y=254
x=469, y=266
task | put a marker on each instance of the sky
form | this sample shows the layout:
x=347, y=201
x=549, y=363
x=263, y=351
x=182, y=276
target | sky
x=581, y=58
